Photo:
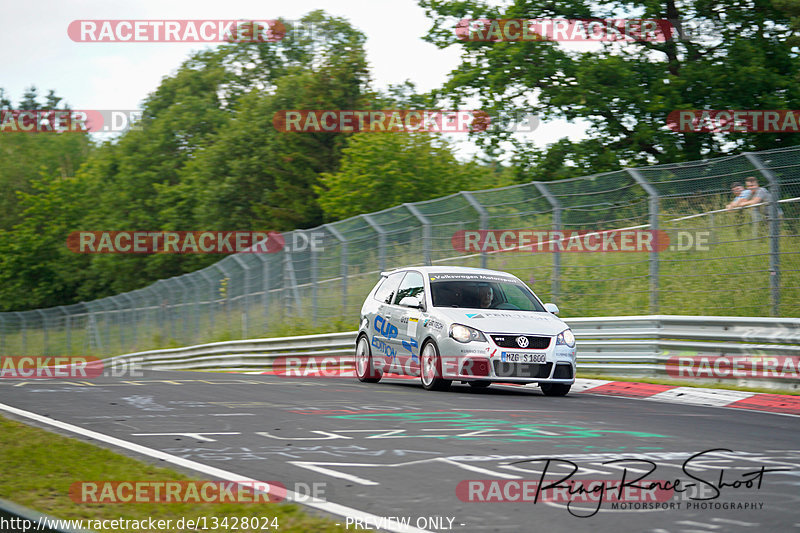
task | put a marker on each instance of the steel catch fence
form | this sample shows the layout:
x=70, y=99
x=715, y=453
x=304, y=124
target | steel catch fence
x=742, y=262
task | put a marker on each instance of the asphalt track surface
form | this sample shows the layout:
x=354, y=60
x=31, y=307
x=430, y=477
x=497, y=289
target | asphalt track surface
x=394, y=449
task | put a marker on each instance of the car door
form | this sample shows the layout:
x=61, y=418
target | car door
x=412, y=286
x=383, y=324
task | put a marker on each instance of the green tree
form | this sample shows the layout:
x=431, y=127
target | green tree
x=27, y=156
x=256, y=177
x=381, y=170
x=739, y=60
x=204, y=156
x=36, y=268
x=792, y=9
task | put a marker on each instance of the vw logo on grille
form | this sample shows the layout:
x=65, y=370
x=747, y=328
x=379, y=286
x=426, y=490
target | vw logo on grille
x=522, y=342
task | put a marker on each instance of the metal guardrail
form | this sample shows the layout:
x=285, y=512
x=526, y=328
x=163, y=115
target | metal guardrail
x=248, y=354
x=635, y=346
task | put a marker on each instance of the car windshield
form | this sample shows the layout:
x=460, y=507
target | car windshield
x=491, y=292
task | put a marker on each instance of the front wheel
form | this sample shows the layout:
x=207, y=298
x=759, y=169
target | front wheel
x=365, y=366
x=555, y=389
x=431, y=369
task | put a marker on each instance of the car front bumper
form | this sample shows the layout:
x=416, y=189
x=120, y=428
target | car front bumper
x=482, y=361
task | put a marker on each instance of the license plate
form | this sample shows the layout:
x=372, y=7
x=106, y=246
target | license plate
x=515, y=357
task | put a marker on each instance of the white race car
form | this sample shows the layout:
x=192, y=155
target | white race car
x=466, y=324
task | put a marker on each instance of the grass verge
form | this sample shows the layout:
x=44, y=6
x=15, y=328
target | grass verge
x=39, y=466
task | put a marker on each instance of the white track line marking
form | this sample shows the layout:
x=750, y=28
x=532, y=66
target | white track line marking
x=198, y=436
x=329, y=507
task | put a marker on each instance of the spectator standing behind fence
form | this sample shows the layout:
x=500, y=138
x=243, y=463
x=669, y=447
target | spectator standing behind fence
x=740, y=195
x=758, y=196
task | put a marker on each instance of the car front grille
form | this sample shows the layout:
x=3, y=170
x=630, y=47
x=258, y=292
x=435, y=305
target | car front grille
x=510, y=341
x=522, y=370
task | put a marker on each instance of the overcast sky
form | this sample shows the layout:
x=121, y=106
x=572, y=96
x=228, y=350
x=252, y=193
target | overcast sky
x=36, y=50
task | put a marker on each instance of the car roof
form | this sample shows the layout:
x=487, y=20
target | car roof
x=448, y=269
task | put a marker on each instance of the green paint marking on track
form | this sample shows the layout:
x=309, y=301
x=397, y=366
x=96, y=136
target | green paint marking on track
x=491, y=428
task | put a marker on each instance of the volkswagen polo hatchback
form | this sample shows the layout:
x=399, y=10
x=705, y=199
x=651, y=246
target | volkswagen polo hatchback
x=472, y=325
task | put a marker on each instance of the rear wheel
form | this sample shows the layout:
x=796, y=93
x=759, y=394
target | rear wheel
x=555, y=389
x=365, y=366
x=431, y=369
x=482, y=384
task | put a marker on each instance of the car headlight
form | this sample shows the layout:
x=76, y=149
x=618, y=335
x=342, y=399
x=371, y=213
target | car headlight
x=466, y=333
x=566, y=338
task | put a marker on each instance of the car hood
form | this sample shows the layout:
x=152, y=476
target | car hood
x=503, y=321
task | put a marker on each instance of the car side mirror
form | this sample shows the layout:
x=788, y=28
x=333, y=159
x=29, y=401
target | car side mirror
x=551, y=308
x=411, y=301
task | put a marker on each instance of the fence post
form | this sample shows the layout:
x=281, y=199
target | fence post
x=426, y=232
x=172, y=306
x=245, y=315
x=93, y=338
x=24, y=333
x=265, y=287
x=161, y=308
x=66, y=329
x=381, y=241
x=653, y=208
x=774, y=232
x=211, y=310
x=343, y=245
x=118, y=313
x=44, y=329
x=132, y=311
x=285, y=283
x=290, y=281
x=148, y=309
x=181, y=304
x=556, y=283
x=226, y=303
x=195, y=306
x=107, y=316
x=484, y=218
x=314, y=275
